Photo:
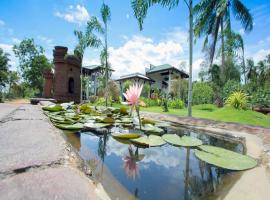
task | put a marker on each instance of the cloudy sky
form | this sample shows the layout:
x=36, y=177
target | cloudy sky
x=163, y=39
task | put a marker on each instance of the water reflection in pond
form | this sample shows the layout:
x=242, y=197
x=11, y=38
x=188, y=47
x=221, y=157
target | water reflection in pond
x=165, y=172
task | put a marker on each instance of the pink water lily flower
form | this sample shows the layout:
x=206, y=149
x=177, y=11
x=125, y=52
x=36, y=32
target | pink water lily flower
x=133, y=94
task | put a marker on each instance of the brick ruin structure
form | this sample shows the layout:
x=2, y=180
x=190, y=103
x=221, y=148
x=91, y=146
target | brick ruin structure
x=64, y=85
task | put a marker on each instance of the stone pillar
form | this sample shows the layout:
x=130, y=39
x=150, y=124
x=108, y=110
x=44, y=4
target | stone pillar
x=48, y=83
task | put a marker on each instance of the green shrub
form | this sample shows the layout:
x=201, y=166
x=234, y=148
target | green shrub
x=238, y=100
x=176, y=103
x=230, y=87
x=261, y=98
x=151, y=102
x=93, y=99
x=202, y=93
x=100, y=101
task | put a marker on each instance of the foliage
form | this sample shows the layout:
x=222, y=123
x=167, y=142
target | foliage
x=126, y=85
x=4, y=69
x=100, y=101
x=151, y=102
x=261, y=97
x=32, y=63
x=164, y=104
x=179, y=88
x=230, y=87
x=114, y=91
x=146, y=90
x=238, y=100
x=176, y=103
x=93, y=99
x=202, y=93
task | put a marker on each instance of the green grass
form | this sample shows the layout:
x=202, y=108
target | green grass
x=226, y=114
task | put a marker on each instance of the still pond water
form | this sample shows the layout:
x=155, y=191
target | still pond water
x=158, y=173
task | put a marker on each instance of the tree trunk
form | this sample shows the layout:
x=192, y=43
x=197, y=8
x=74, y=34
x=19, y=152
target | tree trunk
x=190, y=58
x=106, y=67
x=222, y=52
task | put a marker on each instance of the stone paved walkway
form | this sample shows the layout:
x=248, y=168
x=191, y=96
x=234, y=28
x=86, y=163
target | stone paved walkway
x=35, y=159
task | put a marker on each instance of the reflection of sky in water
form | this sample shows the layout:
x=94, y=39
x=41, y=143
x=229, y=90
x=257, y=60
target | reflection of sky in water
x=162, y=171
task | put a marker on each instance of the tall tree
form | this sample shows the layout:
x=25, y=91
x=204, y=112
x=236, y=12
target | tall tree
x=213, y=20
x=140, y=8
x=32, y=63
x=87, y=39
x=106, y=17
x=4, y=68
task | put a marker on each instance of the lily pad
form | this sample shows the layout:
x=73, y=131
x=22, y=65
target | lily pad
x=126, y=135
x=163, y=124
x=225, y=158
x=185, y=141
x=148, y=121
x=74, y=127
x=151, y=129
x=123, y=141
x=95, y=125
x=53, y=108
x=151, y=141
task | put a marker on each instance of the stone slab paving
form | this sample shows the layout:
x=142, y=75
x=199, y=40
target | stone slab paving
x=52, y=183
x=34, y=159
x=5, y=109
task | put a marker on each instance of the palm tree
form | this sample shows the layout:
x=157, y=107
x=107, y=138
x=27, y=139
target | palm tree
x=140, y=8
x=106, y=16
x=87, y=39
x=213, y=19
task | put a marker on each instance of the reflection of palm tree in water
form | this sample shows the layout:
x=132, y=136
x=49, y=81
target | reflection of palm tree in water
x=130, y=162
x=102, y=146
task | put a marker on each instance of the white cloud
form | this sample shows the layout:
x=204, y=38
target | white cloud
x=127, y=16
x=260, y=55
x=74, y=14
x=2, y=23
x=139, y=52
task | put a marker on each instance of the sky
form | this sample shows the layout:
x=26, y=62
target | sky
x=164, y=38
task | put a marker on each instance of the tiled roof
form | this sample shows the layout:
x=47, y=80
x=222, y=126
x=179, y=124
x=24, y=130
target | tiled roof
x=165, y=67
x=134, y=75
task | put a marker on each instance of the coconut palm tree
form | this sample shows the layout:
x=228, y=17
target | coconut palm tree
x=140, y=8
x=213, y=20
x=87, y=39
x=106, y=17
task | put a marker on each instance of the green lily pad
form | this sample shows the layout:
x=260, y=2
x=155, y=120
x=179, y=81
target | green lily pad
x=151, y=141
x=225, y=158
x=126, y=120
x=126, y=135
x=95, y=125
x=53, y=108
x=123, y=141
x=151, y=129
x=148, y=121
x=74, y=127
x=185, y=141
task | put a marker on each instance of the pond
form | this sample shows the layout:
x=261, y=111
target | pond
x=166, y=172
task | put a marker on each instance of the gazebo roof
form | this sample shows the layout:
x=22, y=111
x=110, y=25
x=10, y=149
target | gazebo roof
x=165, y=67
x=135, y=76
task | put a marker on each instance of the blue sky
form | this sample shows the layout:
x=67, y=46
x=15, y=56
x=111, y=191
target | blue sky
x=163, y=40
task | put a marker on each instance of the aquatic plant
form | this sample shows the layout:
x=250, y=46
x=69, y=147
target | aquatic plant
x=132, y=95
x=130, y=163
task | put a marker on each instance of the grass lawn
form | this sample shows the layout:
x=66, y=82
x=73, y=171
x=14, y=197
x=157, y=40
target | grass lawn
x=226, y=114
